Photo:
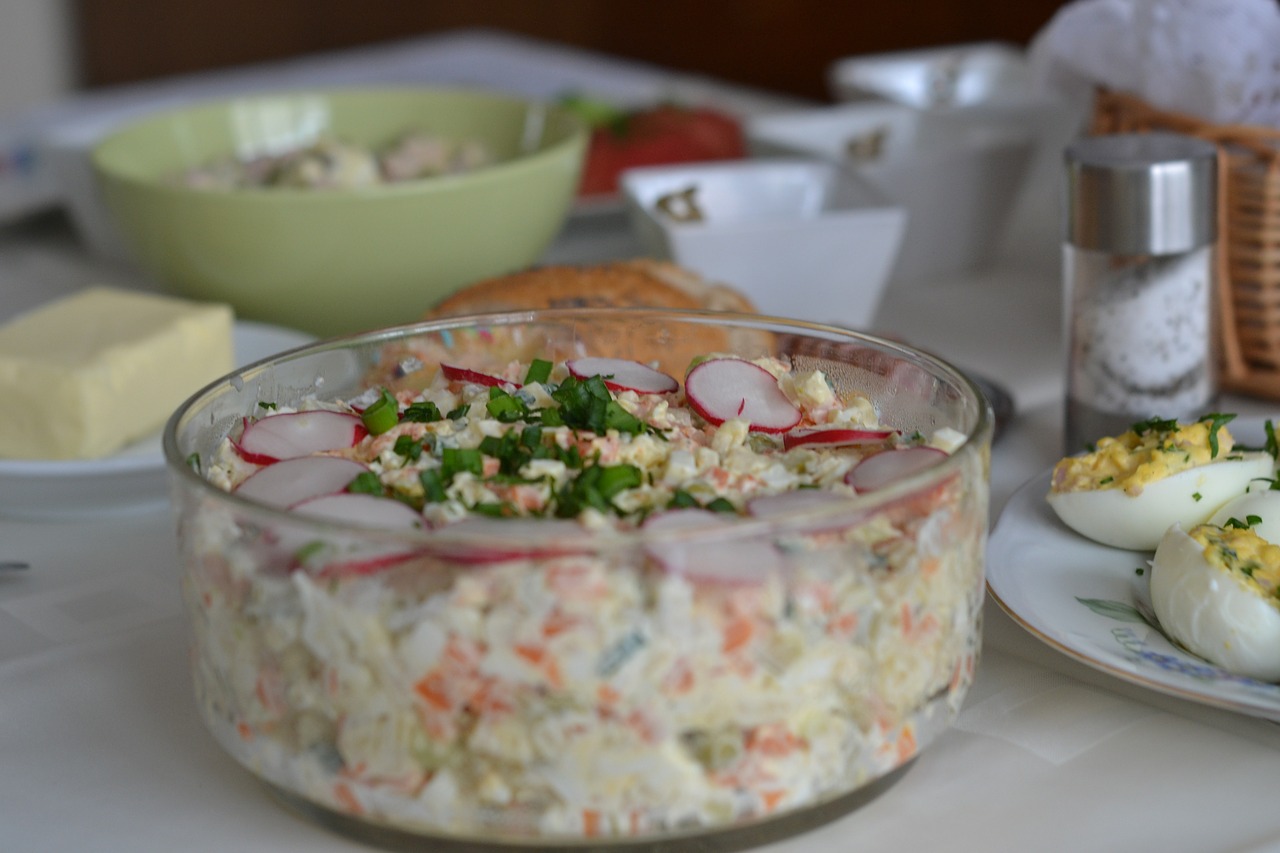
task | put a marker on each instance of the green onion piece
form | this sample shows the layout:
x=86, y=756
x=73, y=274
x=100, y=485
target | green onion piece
x=722, y=505
x=410, y=447
x=366, y=483
x=382, y=414
x=618, y=478
x=425, y=412
x=432, y=485
x=455, y=460
x=505, y=407
x=459, y=413
x=539, y=371
x=680, y=499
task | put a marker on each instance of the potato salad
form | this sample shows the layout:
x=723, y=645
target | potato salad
x=584, y=599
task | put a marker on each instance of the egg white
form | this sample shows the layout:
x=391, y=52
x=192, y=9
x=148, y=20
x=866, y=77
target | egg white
x=1137, y=522
x=1260, y=501
x=1211, y=612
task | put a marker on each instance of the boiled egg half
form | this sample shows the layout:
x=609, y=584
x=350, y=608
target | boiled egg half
x=1214, y=589
x=1132, y=488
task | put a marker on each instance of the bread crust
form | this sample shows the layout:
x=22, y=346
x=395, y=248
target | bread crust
x=639, y=283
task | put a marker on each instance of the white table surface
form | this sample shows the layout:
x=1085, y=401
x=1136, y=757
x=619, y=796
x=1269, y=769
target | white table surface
x=101, y=747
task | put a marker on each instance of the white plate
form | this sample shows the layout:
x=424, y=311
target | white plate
x=1089, y=602
x=128, y=481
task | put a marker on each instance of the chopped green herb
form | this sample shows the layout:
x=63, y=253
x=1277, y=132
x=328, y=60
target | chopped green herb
x=722, y=505
x=680, y=499
x=1154, y=425
x=504, y=407
x=270, y=407
x=455, y=460
x=495, y=509
x=1140, y=571
x=365, y=483
x=459, y=413
x=433, y=487
x=410, y=447
x=1238, y=524
x=1272, y=446
x=1106, y=481
x=1197, y=497
x=382, y=414
x=539, y=371
x=193, y=462
x=1216, y=421
x=425, y=412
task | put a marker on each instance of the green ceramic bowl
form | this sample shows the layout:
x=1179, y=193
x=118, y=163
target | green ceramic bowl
x=337, y=261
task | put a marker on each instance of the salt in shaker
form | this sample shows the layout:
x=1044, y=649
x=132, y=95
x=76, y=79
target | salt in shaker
x=1138, y=282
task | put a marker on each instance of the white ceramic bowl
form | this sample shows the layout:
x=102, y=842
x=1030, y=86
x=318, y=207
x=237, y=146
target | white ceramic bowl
x=802, y=238
x=956, y=76
x=957, y=174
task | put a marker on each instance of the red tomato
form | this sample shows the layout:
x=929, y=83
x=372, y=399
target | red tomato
x=658, y=136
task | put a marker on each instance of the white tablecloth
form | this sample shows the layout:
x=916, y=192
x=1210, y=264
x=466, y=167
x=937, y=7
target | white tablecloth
x=101, y=748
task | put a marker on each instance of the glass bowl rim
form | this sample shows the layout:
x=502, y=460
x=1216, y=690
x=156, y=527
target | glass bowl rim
x=976, y=439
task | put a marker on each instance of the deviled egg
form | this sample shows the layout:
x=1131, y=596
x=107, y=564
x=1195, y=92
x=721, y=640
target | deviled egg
x=1132, y=488
x=1214, y=590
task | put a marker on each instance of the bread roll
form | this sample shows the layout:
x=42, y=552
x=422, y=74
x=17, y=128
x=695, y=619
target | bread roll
x=625, y=284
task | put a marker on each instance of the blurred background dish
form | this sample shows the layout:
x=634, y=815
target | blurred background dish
x=338, y=260
x=801, y=238
x=958, y=176
x=955, y=76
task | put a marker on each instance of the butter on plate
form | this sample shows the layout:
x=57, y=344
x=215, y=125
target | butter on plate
x=85, y=375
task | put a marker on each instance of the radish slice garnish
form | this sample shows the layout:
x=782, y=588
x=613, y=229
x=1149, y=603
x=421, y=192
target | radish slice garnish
x=365, y=510
x=294, y=434
x=725, y=388
x=293, y=480
x=465, y=374
x=835, y=437
x=722, y=560
x=888, y=466
x=499, y=540
x=784, y=503
x=621, y=374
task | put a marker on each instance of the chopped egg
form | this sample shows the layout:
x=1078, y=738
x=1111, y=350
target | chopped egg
x=1132, y=488
x=1214, y=591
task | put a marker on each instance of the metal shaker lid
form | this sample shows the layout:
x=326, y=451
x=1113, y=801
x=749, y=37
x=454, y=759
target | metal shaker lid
x=1141, y=193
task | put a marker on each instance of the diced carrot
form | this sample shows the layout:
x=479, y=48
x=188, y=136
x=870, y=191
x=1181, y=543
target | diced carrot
x=772, y=798
x=929, y=567
x=347, y=799
x=590, y=823
x=432, y=690
x=906, y=744
x=607, y=694
x=242, y=729
x=533, y=654
x=737, y=634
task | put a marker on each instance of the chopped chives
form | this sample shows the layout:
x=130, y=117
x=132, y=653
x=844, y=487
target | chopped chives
x=382, y=414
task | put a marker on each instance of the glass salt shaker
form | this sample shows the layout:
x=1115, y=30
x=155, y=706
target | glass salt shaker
x=1138, y=282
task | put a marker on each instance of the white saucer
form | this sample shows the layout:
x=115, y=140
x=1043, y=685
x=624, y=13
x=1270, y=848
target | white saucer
x=131, y=480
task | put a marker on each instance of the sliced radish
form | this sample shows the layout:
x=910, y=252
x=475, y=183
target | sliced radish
x=721, y=560
x=365, y=510
x=292, y=480
x=622, y=374
x=499, y=540
x=725, y=388
x=294, y=434
x=465, y=374
x=888, y=466
x=835, y=437
x=784, y=503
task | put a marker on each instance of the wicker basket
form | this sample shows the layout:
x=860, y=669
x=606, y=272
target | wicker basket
x=1249, y=226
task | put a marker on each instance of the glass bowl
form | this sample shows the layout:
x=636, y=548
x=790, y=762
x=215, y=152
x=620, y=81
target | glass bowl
x=572, y=683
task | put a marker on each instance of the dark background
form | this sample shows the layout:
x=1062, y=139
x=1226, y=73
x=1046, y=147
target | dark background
x=781, y=45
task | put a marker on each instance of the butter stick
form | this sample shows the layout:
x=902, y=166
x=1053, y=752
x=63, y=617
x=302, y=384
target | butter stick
x=85, y=375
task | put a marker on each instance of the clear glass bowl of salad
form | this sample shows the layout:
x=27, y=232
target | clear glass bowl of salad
x=579, y=578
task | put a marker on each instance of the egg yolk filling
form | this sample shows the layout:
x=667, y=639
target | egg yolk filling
x=1150, y=451
x=1241, y=552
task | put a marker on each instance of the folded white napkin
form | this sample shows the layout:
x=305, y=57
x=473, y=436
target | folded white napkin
x=1218, y=60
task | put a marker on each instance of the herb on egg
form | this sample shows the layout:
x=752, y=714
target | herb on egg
x=459, y=413
x=1216, y=421
x=1197, y=497
x=270, y=407
x=1249, y=521
x=1140, y=571
x=506, y=408
x=411, y=448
